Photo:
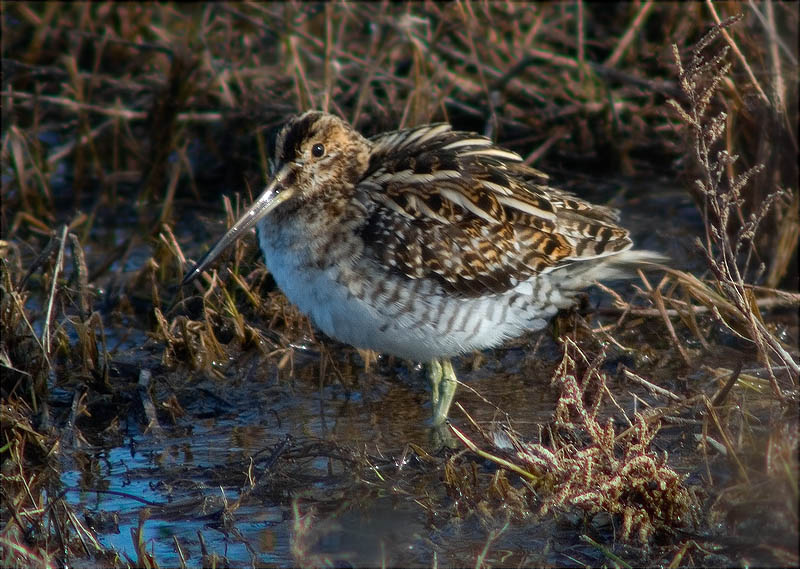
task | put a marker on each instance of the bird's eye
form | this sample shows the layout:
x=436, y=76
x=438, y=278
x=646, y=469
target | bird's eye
x=318, y=150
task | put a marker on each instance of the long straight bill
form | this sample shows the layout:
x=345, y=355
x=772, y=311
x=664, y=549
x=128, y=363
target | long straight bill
x=274, y=195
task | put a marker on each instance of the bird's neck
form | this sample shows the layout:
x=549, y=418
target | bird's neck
x=320, y=232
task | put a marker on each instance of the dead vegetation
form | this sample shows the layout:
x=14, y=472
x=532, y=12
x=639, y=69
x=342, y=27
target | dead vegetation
x=587, y=465
x=123, y=124
x=730, y=254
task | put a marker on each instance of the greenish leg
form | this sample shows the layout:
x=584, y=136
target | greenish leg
x=443, y=388
x=434, y=377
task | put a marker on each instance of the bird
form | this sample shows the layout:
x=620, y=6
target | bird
x=424, y=243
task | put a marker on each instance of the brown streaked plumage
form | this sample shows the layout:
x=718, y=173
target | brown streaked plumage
x=424, y=243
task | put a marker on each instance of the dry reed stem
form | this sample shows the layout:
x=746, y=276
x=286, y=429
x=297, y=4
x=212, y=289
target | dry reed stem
x=699, y=82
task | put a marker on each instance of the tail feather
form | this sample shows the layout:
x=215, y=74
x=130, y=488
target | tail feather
x=620, y=266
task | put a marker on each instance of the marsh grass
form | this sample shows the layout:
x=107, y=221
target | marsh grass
x=123, y=124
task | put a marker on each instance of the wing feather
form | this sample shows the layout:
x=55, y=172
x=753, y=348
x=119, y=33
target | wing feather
x=453, y=206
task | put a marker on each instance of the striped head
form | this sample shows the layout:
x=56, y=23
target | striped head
x=317, y=157
x=318, y=152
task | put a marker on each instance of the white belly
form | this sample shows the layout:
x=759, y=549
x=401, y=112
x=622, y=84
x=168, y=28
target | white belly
x=386, y=315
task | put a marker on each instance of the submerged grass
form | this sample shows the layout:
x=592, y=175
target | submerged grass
x=120, y=121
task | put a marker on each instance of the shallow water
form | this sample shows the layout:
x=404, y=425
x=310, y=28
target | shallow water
x=194, y=467
x=362, y=515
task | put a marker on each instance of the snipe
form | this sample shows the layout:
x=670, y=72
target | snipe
x=424, y=243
